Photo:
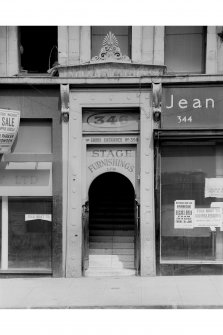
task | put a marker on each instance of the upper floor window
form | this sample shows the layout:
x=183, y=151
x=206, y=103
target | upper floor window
x=122, y=34
x=185, y=49
x=38, y=48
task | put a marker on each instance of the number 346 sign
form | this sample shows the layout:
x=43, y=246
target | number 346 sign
x=107, y=122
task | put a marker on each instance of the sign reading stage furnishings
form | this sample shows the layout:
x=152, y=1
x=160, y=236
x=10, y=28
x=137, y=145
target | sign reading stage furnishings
x=9, y=125
x=192, y=107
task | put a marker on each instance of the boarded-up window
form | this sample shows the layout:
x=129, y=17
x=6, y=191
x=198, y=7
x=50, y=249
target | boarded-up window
x=122, y=33
x=185, y=49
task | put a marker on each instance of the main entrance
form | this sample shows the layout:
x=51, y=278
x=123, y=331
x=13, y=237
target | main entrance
x=112, y=227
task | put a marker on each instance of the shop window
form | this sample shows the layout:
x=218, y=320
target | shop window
x=29, y=236
x=122, y=34
x=191, y=230
x=34, y=136
x=185, y=49
x=28, y=221
x=0, y=230
x=38, y=48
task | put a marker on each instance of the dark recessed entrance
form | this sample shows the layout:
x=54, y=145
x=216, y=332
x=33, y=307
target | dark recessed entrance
x=112, y=228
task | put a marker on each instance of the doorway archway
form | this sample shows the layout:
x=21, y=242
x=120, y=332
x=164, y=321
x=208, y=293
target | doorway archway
x=112, y=226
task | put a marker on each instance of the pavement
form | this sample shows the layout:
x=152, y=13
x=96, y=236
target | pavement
x=113, y=292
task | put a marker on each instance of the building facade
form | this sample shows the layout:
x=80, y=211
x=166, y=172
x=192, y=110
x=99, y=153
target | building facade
x=117, y=164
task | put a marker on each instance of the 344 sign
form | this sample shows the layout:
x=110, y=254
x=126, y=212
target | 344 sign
x=192, y=107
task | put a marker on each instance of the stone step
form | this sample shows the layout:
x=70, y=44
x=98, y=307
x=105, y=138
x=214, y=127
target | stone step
x=111, y=232
x=111, y=245
x=111, y=258
x=111, y=251
x=109, y=272
x=114, y=262
x=111, y=238
x=109, y=226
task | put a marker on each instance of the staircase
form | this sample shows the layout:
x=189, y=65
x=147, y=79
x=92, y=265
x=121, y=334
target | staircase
x=111, y=237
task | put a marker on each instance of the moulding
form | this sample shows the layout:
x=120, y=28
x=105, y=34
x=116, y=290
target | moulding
x=111, y=69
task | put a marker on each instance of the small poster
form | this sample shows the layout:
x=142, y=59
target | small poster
x=208, y=217
x=45, y=217
x=218, y=204
x=9, y=125
x=213, y=187
x=183, y=214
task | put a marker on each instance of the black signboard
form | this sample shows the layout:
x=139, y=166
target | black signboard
x=192, y=107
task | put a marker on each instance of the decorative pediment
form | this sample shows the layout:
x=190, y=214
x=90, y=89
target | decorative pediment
x=110, y=63
x=110, y=51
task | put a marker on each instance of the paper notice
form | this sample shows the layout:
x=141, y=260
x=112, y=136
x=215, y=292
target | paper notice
x=45, y=217
x=213, y=187
x=208, y=217
x=9, y=125
x=183, y=214
x=218, y=204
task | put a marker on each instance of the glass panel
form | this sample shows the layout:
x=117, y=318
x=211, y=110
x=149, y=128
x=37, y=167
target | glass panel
x=29, y=236
x=184, y=51
x=121, y=33
x=0, y=230
x=103, y=30
x=176, y=30
x=34, y=136
x=184, y=169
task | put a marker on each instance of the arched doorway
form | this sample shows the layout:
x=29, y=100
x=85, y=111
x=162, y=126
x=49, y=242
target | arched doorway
x=112, y=226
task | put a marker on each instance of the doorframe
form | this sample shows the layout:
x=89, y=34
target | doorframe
x=136, y=188
x=106, y=98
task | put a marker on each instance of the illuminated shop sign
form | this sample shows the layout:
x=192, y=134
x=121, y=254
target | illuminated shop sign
x=9, y=125
x=192, y=107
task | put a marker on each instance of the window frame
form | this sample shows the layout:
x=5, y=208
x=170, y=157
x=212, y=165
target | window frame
x=129, y=41
x=179, y=267
x=31, y=73
x=203, y=60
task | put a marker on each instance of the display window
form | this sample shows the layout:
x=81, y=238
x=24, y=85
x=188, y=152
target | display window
x=31, y=182
x=26, y=216
x=29, y=232
x=190, y=219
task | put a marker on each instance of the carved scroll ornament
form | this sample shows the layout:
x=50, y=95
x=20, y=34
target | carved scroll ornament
x=110, y=51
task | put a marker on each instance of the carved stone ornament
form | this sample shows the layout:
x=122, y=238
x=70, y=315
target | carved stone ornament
x=110, y=52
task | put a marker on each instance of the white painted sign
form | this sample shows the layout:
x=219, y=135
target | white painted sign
x=101, y=159
x=9, y=125
x=183, y=214
x=111, y=140
x=31, y=217
x=26, y=179
x=218, y=204
x=208, y=217
x=214, y=187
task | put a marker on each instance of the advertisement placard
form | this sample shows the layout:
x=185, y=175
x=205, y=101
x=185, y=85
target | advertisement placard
x=218, y=204
x=208, y=217
x=31, y=217
x=183, y=214
x=213, y=187
x=9, y=125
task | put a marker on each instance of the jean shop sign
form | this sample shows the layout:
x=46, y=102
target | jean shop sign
x=192, y=107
